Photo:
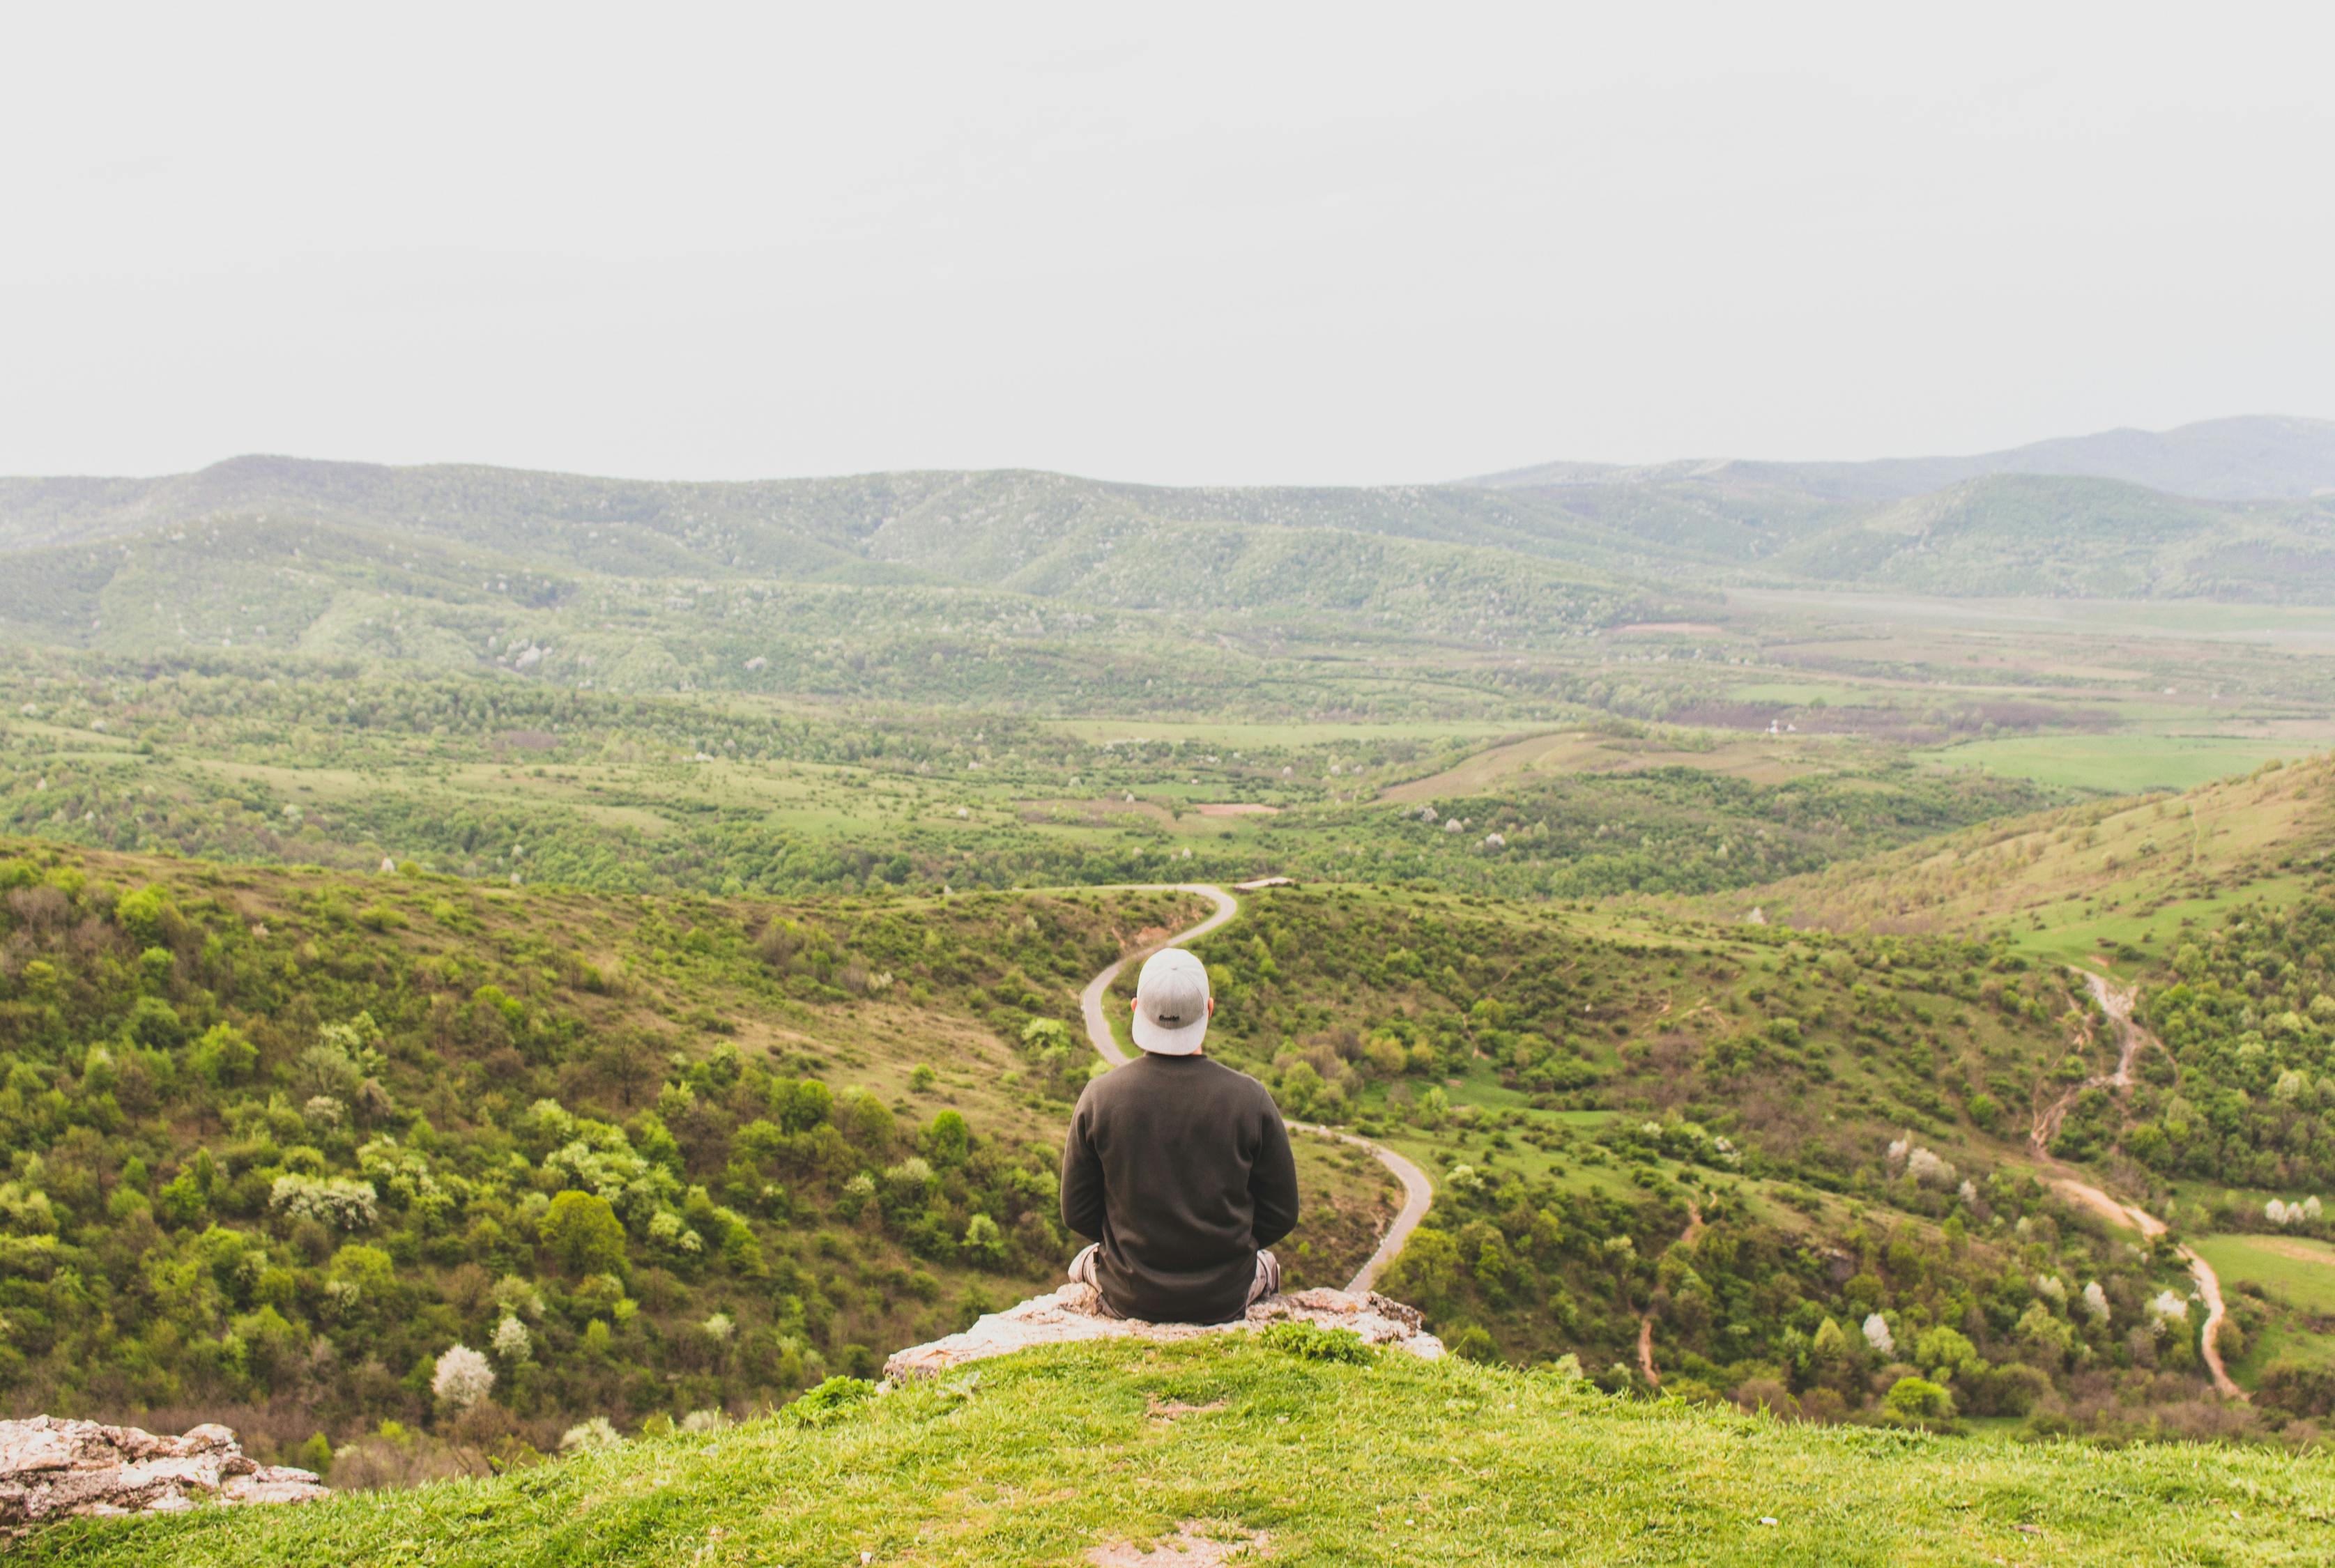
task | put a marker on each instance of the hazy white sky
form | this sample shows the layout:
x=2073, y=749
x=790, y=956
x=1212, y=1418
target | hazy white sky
x=1184, y=242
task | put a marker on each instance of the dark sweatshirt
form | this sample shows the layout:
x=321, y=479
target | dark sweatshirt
x=1180, y=1168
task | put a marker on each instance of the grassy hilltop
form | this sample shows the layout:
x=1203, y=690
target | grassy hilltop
x=1045, y=1456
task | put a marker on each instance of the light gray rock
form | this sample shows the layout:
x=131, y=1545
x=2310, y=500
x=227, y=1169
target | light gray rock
x=1068, y=1316
x=54, y=1469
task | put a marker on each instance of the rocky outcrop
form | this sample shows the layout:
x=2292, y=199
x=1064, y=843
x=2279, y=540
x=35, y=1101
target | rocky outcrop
x=53, y=1470
x=1067, y=1315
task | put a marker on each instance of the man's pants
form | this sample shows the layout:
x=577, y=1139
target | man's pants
x=1082, y=1273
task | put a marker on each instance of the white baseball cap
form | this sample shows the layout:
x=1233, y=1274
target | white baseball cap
x=1171, y=1003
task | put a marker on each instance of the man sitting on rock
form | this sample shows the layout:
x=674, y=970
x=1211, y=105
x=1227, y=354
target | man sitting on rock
x=1179, y=1167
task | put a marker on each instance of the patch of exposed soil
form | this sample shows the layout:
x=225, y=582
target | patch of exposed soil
x=1160, y=1409
x=1184, y=1548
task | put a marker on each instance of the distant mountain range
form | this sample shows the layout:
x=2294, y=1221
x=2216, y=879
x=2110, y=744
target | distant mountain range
x=2252, y=457
x=318, y=556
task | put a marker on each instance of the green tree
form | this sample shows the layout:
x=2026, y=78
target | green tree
x=948, y=1140
x=224, y=1056
x=1919, y=1399
x=584, y=1234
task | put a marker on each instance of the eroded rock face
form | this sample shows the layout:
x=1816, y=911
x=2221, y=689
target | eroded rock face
x=1069, y=1314
x=52, y=1469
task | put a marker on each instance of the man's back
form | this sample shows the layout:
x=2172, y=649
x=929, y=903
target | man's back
x=1180, y=1168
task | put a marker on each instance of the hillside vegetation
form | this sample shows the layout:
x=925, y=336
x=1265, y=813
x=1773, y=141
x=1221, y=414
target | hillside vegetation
x=1044, y=1457
x=2103, y=880
x=278, y=1142
x=2220, y=513
x=1788, y=1169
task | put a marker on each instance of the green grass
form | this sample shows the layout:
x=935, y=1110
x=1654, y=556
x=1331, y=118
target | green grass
x=2295, y=1269
x=2071, y=936
x=2119, y=764
x=1042, y=1457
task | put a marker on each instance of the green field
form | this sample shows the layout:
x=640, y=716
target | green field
x=2119, y=764
x=2295, y=1269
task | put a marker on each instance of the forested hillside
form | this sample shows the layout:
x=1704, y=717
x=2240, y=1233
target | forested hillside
x=1781, y=1168
x=277, y=1143
x=2238, y=509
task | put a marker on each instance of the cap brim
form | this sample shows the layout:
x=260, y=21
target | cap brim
x=1183, y=1041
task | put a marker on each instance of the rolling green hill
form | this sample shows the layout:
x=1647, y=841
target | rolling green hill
x=2012, y=534
x=1507, y=560
x=375, y=592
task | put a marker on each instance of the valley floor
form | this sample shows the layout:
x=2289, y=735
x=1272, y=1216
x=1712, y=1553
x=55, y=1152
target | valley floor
x=1044, y=1457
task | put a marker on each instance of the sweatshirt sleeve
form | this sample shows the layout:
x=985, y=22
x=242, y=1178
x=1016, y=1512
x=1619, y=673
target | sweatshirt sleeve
x=1082, y=1179
x=1272, y=1182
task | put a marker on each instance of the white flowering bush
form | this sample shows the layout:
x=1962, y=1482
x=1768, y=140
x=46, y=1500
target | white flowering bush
x=718, y=1328
x=1923, y=1166
x=1926, y=1169
x=598, y=1432
x=462, y=1377
x=1877, y=1334
x=334, y=1200
x=2096, y=1302
x=668, y=1229
x=2052, y=1289
x=517, y=1297
x=857, y=1194
x=909, y=1184
x=1681, y=1140
x=2168, y=1308
x=511, y=1341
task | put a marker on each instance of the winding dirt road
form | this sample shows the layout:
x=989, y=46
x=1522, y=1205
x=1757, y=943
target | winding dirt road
x=1418, y=1192
x=2131, y=1039
x=1686, y=1238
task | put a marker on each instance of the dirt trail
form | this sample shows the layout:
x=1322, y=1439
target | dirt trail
x=2131, y=1040
x=2117, y=1005
x=1418, y=1191
x=1646, y=1323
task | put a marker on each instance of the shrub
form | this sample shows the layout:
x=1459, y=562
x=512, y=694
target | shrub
x=830, y=1402
x=1474, y=1344
x=1313, y=1342
x=584, y=1234
x=598, y=1432
x=511, y=1341
x=2297, y=1388
x=462, y=1379
x=333, y=1201
x=984, y=1244
x=1919, y=1399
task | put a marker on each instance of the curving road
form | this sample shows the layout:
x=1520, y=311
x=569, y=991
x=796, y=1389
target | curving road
x=1418, y=1192
x=2131, y=1039
x=1646, y=1323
